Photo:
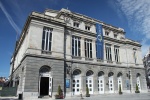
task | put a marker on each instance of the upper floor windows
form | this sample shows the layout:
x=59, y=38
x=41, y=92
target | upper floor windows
x=107, y=33
x=108, y=52
x=88, y=48
x=87, y=28
x=76, y=46
x=135, y=56
x=116, y=52
x=115, y=35
x=76, y=24
x=47, y=39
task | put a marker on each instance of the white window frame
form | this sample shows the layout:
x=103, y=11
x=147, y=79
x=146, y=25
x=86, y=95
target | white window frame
x=116, y=52
x=135, y=56
x=108, y=52
x=88, y=48
x=76, y=46
x=88, y=28
x=47, y=39
x=76, y=24
x=106, y=33
x=115, y=36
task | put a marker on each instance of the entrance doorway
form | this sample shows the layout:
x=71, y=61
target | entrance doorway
x=111, y=83
x=44, y=86
x=76, y=83
x=89, y=81
x=45, y=81
x=101, y=82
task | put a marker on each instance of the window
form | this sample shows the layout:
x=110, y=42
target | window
x=134, y=56
x=88, y=48
x=106, y=33
x=116, y=51
x=76, y=24
x=115, y=35
x=76, y=47
x=47, y=39
x=108, y=52
x=87, y=28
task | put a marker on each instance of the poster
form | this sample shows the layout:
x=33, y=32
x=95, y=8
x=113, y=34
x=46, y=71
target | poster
x=67, y=83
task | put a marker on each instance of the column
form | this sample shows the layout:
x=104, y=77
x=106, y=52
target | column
x=115, y=79
x=95, y=84
x=83, y=84
x=106, y=89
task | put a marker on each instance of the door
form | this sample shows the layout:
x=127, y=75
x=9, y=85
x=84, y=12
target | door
x=101, y=85
x=138, y=83
x=50, y=86
x=111, y=85
x=44, y=86
x=76, y=85
x=89, y=83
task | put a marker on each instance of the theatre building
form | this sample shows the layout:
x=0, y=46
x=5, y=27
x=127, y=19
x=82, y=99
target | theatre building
x=74, y=51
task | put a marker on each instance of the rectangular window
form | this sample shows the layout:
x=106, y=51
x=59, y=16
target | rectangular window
x=47, y=39
x=87, y=28
x=116, y=52
x=76, y=47
x=108, y=52
x=88, y=48
x=115, y=35
x=135, y=56
x=76, y=24
x=106, y=33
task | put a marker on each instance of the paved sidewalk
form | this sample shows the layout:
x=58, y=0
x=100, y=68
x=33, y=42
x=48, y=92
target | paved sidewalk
x=144, y=96
x=140, y=96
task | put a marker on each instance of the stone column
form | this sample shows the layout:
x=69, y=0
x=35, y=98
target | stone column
x=83, y=84
x=95, y=84
x=106, y=89
x=115, y=79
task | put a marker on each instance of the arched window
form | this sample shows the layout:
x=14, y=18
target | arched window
x=110, y=74
x=89, y=73
x=101, y=73
x=76, y=72
x=119, y=74
x=138, y=75
x=44, y=69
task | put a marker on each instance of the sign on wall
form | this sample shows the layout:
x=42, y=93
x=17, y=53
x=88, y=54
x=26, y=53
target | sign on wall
x=67, y=83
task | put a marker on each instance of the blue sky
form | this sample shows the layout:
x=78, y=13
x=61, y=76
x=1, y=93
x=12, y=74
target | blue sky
x=131, y=15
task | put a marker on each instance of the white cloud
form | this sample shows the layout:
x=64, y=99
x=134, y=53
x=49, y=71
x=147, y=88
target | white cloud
x=137, y=13
x=9, y=18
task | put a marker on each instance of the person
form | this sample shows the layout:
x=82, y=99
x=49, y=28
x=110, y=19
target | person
x=81, y=93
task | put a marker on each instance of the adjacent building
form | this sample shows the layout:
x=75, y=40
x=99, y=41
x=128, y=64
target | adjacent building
x=146, y=62
x=74, y=51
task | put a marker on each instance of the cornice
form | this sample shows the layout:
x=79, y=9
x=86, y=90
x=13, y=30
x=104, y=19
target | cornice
x=122, y=41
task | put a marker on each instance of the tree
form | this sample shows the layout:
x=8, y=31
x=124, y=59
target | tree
x=120, y=92
x=87, y=91
x=137, y=89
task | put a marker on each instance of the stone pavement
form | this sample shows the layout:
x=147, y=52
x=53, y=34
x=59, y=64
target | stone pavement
x=140, y=96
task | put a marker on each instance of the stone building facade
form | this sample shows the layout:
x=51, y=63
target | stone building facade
x=146, y=62
x=60, y=48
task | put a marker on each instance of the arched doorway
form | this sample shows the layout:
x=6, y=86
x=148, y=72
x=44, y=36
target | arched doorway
x=111, y=82
x=119, y=76
x=76, y=82
x=45, y=81
x=89, y=81
x=138, y=81
x=101, y=82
